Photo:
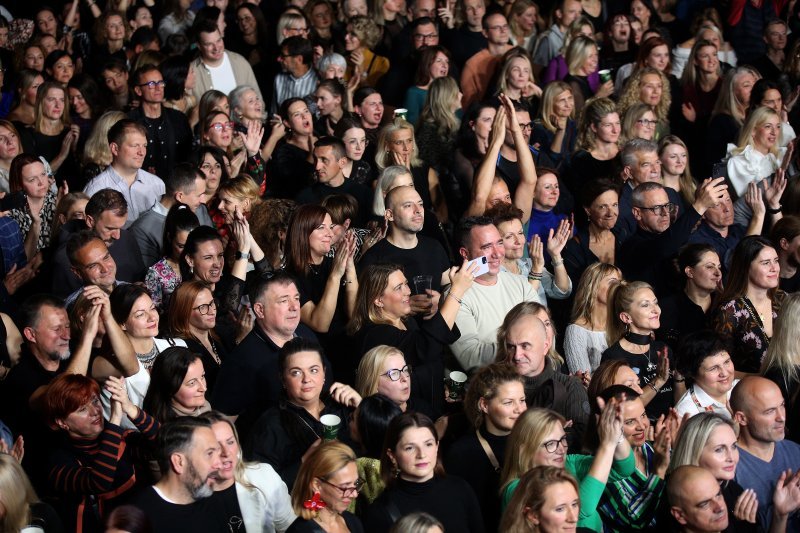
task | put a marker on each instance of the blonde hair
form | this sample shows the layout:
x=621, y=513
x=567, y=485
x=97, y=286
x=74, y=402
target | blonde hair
x=574, y=30
x=727, y=102
x=578, y=52
x=242, y=188
x=531, y=496
x=552, y=91
x=754, y=120
x=383, y=157
x=384, y=185
x=97, y=150
x=630, y=94
x=368, y=373
x=16, y=495
x=783, y=352
x=689, y=78
x=594, y=111
x=517, y=9
x=588, y=289
x=529, y=432
x=629, y=119
x=325, y=461
x=442, y=93
x=620, y=300
x=688, y=184
x=366, y=30
x=508, y=57
x=693, y=437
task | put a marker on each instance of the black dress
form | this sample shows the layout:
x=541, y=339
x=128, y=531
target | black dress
x=645, y=365
x=301, y=525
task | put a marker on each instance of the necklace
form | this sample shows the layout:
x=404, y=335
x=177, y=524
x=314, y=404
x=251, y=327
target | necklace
x=147, y=359
x=214, y=351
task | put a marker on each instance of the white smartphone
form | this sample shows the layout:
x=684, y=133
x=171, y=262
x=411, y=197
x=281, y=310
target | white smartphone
x=483, y=265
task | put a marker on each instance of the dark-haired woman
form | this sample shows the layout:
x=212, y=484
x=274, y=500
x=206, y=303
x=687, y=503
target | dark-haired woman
x=179, y=76
x=33, y=204
x=164, y=276
x=285, y=435
x=86, y=105
x=328, y=285
x=414, y=481
x=687, y=311
x=331, y=96
x=177, y=385
x=750, y=302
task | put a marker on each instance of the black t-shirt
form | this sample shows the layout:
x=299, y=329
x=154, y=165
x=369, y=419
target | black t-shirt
x=317, y=192
x=791, y=284
x=229, y=510
x=311, y=526
x=645, y=365
x=207, y=515
x=428, y=257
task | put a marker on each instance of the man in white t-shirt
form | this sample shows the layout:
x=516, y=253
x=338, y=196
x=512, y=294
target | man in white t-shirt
x=217, y=68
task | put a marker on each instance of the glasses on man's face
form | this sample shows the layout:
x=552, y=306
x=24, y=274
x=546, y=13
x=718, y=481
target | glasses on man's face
x=153, y=84
x=219, y=126
x=526, y=127
x=499, y=27
x=205, y=309
x=425, y=37
x=647, y=123
x=662, y=209
x=346, y=491
x=395, y=373
x=552, y=445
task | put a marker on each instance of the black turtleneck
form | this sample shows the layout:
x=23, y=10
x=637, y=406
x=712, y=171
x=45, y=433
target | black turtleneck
x=449, y=499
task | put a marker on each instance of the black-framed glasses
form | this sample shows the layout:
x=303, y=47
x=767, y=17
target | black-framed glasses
x=153, y=84
x=552, y=445
x=663, y=209
x=204, y=309
x=526, y=127
x=647, y=122
x=346, y=491
x=395, y=373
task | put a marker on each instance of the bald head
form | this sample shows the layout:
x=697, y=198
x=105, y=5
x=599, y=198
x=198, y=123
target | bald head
x=405, y=211
x=760, y=410
x=696, y=500
x=526, y=345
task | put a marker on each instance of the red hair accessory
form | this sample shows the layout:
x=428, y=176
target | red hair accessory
x=315, y=503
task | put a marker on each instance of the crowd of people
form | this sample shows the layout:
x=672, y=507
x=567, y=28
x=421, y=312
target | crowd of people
x=409, y=266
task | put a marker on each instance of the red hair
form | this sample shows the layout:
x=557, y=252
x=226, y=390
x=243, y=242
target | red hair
x=66, y=394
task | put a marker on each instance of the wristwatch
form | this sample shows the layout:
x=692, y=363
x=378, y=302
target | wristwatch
x=242, y=255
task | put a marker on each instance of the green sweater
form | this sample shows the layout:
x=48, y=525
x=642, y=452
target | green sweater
x=590, y=489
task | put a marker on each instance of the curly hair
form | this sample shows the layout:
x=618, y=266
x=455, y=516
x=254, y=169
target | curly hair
x=630, y=94
x=594, y=111
x=366, y=30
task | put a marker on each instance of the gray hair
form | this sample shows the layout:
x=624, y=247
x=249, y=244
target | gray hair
x=631, y=150
x=331, y=59
x=236, y=95
x=385, y=182
x=637, y=199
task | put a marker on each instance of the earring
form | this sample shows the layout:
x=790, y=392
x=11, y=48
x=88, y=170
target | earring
x=315, y=503
x=395, y=469
x=627, y=327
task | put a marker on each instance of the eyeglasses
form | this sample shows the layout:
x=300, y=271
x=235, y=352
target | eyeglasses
x=301, y=30
x=646, y=122
x=153, y=84
x=394, y=373
x=205, y=309
x=425, y=37
x=219, y=126
x=346, y=491
x=499, y=27
x=661, y=209
x=526, y=127
x=552, y=445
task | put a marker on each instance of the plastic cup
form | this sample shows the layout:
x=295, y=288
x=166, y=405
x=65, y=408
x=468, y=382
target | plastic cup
x=456, y=382
x=422, y=284
x=605, y=75
x=330, y=425
x=401, y=112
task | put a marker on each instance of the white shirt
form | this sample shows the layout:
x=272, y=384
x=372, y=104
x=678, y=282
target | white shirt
x=222, y=78
x=701, y=402
x=751, y=165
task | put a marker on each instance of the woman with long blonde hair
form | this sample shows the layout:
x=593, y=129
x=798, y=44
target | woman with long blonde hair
x=19, y=502
x=96, y=151
x=555, y=130
x=585, y=338
x=523, y=16
x=649, y=86
x=540, y=487
x=675, y=170
x=438, y=124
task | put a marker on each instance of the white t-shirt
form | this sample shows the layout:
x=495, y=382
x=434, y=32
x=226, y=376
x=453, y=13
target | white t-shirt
x=222, y=78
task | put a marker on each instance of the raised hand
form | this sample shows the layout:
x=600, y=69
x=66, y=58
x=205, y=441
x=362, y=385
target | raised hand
x=774, y=191
x=709, y=194
x=536, y=251
x=609, y=426
x=746, y=507
x=786, y=497
x=754, y=199
x=252, y=139
x=689, y=112
x=558, y=238
x=345, y=395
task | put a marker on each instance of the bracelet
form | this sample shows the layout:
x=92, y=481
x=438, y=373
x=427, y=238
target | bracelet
x=652, y=386
x=454, y=297
x=242, y=255
x=676, y=380
x=774, y=211
x=557, y=262
x=533, y=276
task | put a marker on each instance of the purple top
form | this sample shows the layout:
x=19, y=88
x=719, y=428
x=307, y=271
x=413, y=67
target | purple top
x=557, y=70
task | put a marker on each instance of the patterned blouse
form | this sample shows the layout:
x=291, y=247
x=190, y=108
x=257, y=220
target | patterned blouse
x=22, y=215
x=738, y=321
x=161, y=280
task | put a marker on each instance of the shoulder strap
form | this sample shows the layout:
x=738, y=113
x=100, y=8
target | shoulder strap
x=488, y=451
x=392, y=509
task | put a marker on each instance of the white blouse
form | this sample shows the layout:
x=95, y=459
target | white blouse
x=750, y=165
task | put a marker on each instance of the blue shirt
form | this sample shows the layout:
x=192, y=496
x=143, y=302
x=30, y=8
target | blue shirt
x=723, y=245
x=146, y=190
